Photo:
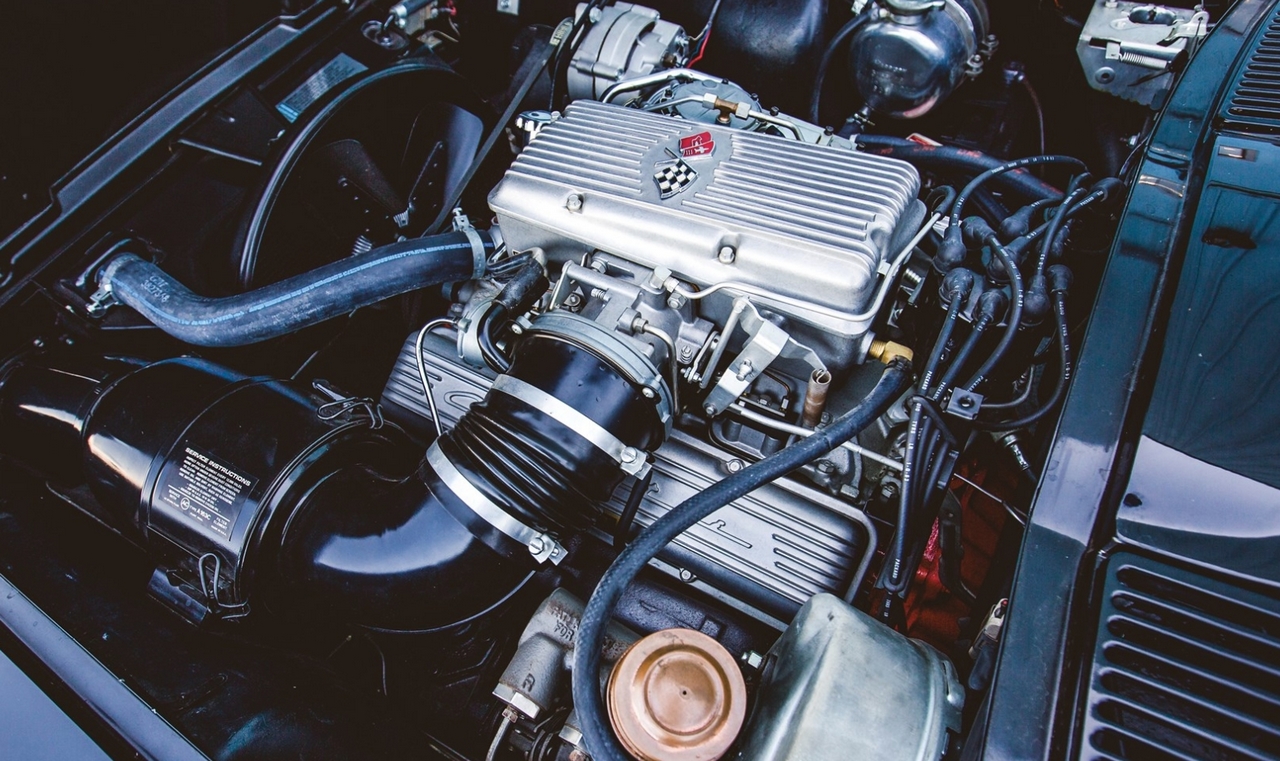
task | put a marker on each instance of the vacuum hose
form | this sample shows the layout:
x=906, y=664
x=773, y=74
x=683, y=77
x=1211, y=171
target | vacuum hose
x=295, y=302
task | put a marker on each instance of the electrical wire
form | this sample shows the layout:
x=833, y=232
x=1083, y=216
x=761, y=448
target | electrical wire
x=1035, y=103
x=957, y=209
x=961, y=358
x=702, y=49
x=895, y=580
x=940, y=345
x=846, y=31
x=1014, y=318
x=489, y=322
x=705, y=35
x=1064, y=375
x=1027, y=380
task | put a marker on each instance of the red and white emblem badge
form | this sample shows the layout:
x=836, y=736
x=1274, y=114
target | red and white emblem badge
x=700, y=144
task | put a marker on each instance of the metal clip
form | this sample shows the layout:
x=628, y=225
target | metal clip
x=347, y=405
x=101, y=300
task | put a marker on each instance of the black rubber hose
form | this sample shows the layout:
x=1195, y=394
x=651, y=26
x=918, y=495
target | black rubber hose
x=947, y=158
x=520, y=293
x=489, y=323
x=306, y=299
x=622, y=532
x=828, y=55
x=594, y=722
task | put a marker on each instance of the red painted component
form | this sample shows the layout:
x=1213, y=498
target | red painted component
x=931, y=612
x=700, y=144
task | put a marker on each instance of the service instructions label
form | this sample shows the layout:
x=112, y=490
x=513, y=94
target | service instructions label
x=209, y=493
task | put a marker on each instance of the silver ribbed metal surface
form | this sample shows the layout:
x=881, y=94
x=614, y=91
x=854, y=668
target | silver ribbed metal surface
x=827, y=196
x=805, y=221
x=779, y=545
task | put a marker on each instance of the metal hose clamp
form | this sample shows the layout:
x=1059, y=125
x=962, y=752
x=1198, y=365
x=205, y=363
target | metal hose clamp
x=543, y=547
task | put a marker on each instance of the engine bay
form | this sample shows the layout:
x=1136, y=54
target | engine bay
x=509, y=382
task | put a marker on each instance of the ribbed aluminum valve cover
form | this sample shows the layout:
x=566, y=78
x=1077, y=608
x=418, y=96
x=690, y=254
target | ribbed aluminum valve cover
x=804, y=221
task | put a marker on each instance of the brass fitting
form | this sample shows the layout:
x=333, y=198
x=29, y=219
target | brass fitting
x=887, y=351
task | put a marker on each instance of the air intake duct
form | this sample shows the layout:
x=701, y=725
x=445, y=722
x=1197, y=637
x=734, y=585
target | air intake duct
x=252, y=490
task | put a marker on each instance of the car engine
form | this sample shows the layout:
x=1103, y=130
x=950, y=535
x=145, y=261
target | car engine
x=586, y=407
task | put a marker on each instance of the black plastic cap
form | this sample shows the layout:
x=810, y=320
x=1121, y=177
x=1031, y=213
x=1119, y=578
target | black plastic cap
x=1035, y=303
x=951, y=252
x=992, y=304
x=1060, y=278
x=1112, y=188
x=976, y=231
x=1016, y=224
x=957, y=284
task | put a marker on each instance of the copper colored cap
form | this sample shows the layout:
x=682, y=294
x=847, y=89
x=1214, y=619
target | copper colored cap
x=677, y=695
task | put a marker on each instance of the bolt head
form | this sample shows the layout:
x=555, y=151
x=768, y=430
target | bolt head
x=648, y=392
x=629, y=454
x=727, y=255
x=574, y=202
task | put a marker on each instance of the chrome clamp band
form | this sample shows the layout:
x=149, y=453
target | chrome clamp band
x=480, y=260
x=622, y=353
x=630, y=459
x=542, y=546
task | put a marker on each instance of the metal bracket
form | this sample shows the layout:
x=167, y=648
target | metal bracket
x=964, y=404
x=767, y=343
x=101, y=300
x=1127, y=47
